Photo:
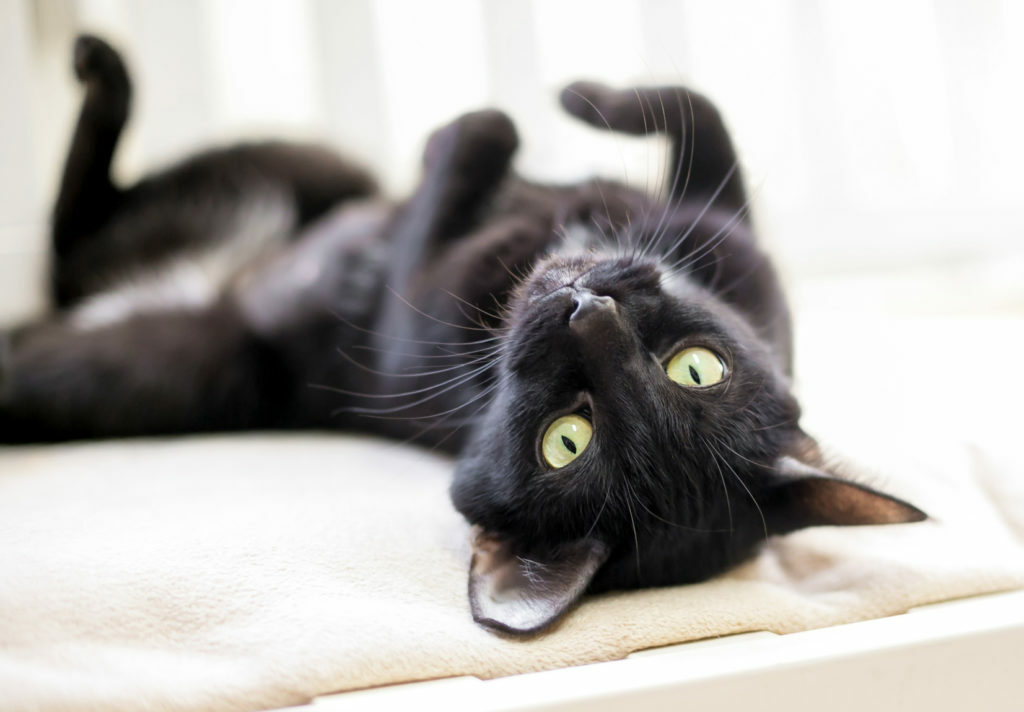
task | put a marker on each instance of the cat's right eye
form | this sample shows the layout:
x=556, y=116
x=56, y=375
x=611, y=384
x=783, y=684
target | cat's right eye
x=565, y=440
x=696, y=367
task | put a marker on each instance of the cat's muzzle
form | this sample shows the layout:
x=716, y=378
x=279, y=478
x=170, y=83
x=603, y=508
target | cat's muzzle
x=595, y=321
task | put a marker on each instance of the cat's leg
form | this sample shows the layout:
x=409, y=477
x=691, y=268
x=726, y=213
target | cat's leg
x=156, y=373
x=703, y=162
x=464, y=164
x=87, y=195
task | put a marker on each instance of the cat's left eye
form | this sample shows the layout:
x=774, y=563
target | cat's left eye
x=566, y=439
x=696, y=367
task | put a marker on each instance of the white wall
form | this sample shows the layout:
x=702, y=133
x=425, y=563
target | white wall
x=876, y=134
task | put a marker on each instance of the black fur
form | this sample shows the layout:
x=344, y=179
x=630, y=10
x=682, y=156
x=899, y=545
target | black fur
x=451, y=319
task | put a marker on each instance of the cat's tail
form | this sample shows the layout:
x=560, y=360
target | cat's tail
x=87, y=194
x=703, y=162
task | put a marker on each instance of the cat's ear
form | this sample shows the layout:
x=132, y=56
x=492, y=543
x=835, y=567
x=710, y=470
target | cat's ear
x=517, y=592
x=806, y=495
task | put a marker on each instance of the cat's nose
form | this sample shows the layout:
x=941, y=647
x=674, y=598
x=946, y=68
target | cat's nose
x=586, y=303
x=603, y=341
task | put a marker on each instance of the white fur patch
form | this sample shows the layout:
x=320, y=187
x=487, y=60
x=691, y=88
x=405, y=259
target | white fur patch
x=195, y=279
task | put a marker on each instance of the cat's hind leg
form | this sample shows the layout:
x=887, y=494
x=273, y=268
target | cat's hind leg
x=87, y=196
x=154, y=373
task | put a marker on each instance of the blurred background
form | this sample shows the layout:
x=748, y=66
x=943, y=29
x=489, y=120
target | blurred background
x=881, y=139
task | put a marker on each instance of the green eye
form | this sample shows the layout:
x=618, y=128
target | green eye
x=696, y=367
x=566, y=439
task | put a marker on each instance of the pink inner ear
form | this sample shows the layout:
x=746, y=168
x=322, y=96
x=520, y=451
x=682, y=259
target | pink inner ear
x=839, y=502
x=526, y=592
x=812, y=497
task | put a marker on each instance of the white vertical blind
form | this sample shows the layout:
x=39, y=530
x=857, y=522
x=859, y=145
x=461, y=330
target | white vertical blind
x=875, y=134
x=21, y=256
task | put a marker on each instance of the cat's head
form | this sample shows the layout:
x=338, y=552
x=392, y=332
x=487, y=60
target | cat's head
x=642, y=433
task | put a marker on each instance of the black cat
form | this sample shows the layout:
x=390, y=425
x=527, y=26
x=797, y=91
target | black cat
x=613, y=368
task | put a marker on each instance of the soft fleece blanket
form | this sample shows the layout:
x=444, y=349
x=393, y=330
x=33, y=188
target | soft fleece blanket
x=247, y=572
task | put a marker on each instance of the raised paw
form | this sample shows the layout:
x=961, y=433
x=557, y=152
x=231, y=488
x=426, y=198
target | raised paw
x=95, y=60
x=477, y=141
x=638, y=110
x=591, y=102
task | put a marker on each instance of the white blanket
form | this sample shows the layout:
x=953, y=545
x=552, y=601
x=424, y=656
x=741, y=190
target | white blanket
x=246, y=572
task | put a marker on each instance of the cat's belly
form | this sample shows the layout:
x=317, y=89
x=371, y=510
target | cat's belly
x=276, y=278
x=333, y=270
x=194, y=277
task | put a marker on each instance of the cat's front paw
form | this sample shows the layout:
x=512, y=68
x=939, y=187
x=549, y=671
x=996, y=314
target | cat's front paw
x=94, y=59
x=477, y=142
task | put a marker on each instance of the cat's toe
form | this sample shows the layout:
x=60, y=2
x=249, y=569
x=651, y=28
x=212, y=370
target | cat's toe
x=93, y=58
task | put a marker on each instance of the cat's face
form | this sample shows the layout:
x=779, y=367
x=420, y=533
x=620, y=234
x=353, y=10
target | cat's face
x=641, y=434
x=589, y=348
